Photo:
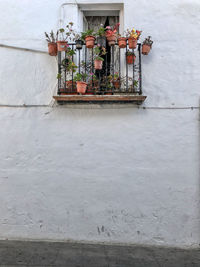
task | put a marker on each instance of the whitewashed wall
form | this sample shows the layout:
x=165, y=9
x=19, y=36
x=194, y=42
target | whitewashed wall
x=101, y=173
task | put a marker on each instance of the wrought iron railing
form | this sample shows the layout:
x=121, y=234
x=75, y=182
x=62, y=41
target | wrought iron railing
x=116, y=76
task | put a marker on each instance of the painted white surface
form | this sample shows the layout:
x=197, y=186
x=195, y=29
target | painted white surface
x=105, y=174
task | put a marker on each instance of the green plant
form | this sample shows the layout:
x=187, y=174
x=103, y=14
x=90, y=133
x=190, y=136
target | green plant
x=67, y=33
x=130, y=53
x=61, y=33
x=80, y=77
x=99, y=52
x=59, y=76
x=130, y=84
x=70, y=52
x=93, y=77
x=51, y=37
x=70, y=31
x=86, y=33
x=148, y=41
x=101, y=31
x=71, y=67
x=114, y=77
x=135, y=83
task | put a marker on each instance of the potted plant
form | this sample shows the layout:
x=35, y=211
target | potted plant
x=111, y=34
x=101, y=38
x=147, y=45
x=62, y=43
x=133, y=36
x=61, y=91
x=93, y=83
x=80, y=82
x=121, y=41
x=130, y=57
x=116, y=80
x=71, y=67
x=98, y=60
x=89, y=38
x=52, y=45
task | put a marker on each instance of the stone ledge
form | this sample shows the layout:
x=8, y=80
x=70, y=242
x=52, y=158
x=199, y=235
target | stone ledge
x=137, y=99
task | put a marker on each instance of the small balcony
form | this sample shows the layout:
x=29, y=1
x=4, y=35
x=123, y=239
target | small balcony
x=119, y=79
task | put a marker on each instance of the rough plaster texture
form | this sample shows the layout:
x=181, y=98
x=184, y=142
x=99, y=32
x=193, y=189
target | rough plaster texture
x=117, y=174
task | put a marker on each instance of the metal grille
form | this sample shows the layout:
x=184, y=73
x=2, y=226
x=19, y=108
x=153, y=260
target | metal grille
x=101, y=82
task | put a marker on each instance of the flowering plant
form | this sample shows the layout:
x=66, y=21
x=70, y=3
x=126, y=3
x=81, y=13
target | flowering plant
x=148, y=41
x=133, y=34
x=110, y=31
x=69, y=32
x=93, y=77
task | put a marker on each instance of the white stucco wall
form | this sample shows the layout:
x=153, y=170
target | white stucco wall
x=101, y=173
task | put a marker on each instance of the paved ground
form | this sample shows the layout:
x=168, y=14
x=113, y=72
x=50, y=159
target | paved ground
x=41, y=254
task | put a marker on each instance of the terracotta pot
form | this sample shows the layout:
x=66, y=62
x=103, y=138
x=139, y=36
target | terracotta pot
x=62, y=91
x=89, y=41
x=98, y=64
x=62, y=45
x=116, y=84
x=129, y=59
x=81, y=87
x=111, y=39
x=122, y=42
x=69, y=85
x=132, y=43
x=52, y=49
x=146, y=49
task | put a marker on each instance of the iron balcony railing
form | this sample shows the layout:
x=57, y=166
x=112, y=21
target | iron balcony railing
x=116, y=76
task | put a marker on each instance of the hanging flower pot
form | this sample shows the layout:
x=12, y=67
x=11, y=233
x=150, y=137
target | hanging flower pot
x=89, y=41
x=79, y=44
x=122, y=42
x=130, y=58
x=111, y=39
x=101, y=41
x=81, y=87
x=132, y=43
x=146, y=49
x=62, y=45
x=52, y=49
x=98, y=63
x=147, y=45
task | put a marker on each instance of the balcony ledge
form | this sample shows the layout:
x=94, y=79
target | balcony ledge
x=136, y=99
